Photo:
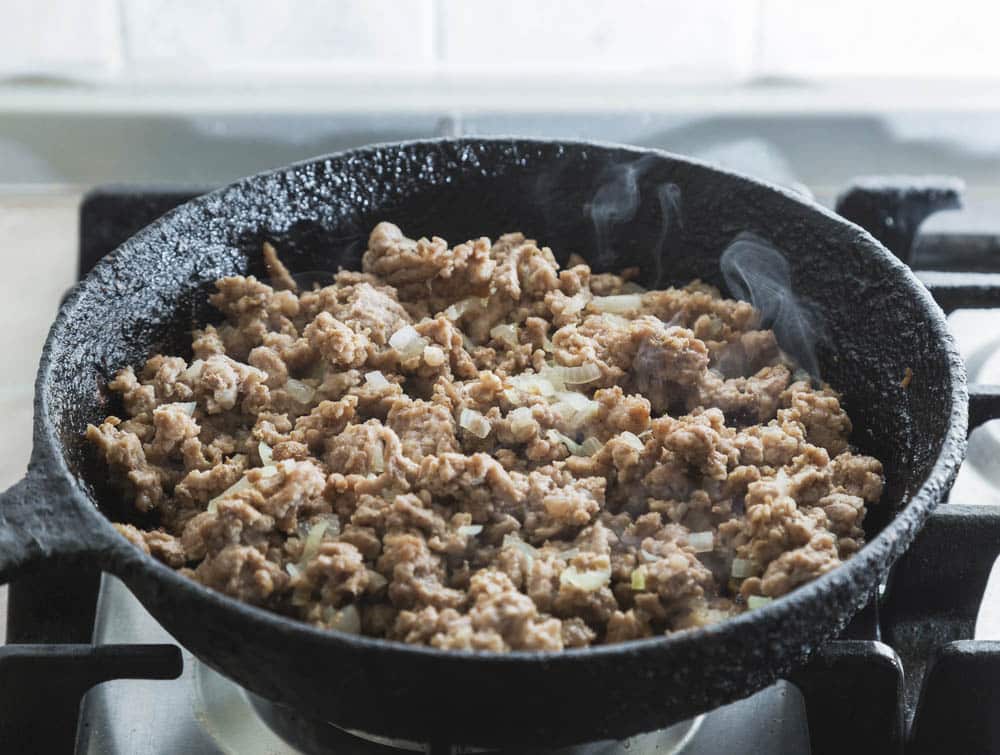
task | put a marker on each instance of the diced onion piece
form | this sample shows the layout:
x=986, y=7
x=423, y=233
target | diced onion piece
x=547, y=346
x=742, y=568
x=376, y=380
x=469, y=530
x=632, y=440
x=194, y=371
x=639, y=579
x=567, y=554
x=241, y=484
x=408, y=342
x=313, y=540
x=590, y=446
x=513, y=541
x=299, y=391
x=376, y=581
x=554, y=436
x=533, y=384
x=459, y=308
x=474, y=422
x=576, y=303
x=269, y=471
x=757, y=601
x=588, y=581
x=618, y=305
x=701, y=542
x=404, y=337
x=434, y=355
x=646, y=556
x=615, y=320
x=505, y=333
x=378, y=458
x=347, y=619
x=266, y=455
x=187, y=407
x=467, y=343
x=585, y=373
x=293, y=570
x=521, y=420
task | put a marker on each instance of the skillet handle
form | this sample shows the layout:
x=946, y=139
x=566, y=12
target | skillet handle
x=39, y=524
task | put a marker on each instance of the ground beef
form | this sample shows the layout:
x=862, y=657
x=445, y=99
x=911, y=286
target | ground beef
x=470, y=448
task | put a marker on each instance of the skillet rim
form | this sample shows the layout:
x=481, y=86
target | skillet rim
x=878, y=553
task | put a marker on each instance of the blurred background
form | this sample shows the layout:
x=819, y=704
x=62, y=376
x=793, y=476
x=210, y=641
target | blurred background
x=195, y=94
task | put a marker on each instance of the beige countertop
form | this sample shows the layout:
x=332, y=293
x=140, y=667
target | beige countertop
x=39, y=232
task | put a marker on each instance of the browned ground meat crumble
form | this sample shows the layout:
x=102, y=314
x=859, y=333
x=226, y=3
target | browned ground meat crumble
x=472, y=448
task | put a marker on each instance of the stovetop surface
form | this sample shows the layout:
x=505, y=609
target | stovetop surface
x=929, y=611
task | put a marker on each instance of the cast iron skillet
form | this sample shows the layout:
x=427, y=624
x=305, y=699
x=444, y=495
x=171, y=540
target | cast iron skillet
x=147, y=295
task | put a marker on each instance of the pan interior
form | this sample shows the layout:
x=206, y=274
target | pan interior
x=669, y=217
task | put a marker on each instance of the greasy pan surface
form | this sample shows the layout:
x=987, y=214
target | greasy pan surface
x=147, y=295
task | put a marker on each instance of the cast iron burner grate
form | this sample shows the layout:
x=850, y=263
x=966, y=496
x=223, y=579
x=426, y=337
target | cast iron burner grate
x=904, y=676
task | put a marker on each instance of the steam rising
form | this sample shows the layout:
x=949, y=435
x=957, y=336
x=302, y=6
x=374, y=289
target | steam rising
x=617, y=201
x=757, y=272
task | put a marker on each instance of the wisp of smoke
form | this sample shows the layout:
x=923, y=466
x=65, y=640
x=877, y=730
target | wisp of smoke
x=618, y=200
x=757, y=272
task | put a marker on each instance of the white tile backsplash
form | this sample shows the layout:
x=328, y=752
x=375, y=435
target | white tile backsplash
x=58, y=37
x=445, y=44
x=258, y=35
x=884, y=38
x=666, y=36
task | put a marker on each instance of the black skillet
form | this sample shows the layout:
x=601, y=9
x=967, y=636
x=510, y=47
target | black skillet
x=146, y=296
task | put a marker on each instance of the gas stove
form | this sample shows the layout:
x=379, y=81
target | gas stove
x=917, y=671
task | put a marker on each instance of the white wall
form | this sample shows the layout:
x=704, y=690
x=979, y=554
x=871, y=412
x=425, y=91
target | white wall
x=673, y=40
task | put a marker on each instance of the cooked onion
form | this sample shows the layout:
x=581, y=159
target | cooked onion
x=474, y=422
x=554, y=436
x=505, y=333
x=434, y=355
x=469, y=530
x=533, y=384
x=588, y=581
x=585, y=373
x=266, y=455
x=347, y=619
x=632, y=440
x=315, y=537
x=187, y=407
x=378, y=459
x=376, y=380
x=376, y=581
x=701, y=542
x=648, y=557
x=619, y=304
x=404, y=337
x=742, y=568
x=590, y=446
x=241, y=484
x=616, y=320
x=299, y=391
x=459, y=308
x=575, y=408
x=194, y=371
x=521, y=421
x=639, y=579
x=513, y=541
x=293, y=570
x=567, y=554
x=271, y=470
x=757, y=601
